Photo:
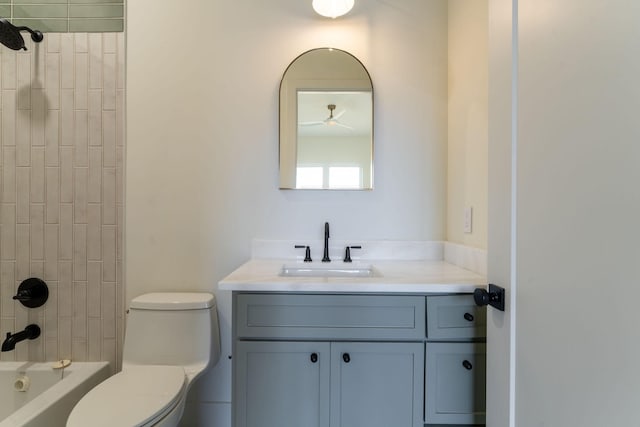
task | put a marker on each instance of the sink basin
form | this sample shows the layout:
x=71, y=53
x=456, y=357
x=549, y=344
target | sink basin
x=338, y=269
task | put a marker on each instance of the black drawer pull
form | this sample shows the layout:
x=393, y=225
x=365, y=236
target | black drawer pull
x=467, y=365
x=314, y=357
x=469, y=317
x=346, y=357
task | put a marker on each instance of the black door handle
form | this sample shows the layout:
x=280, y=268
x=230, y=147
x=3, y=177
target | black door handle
x=495, y=297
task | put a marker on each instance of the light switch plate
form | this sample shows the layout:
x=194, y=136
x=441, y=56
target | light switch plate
x=468, y=219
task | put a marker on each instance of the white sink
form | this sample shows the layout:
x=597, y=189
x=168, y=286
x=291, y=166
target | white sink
x=333, y=269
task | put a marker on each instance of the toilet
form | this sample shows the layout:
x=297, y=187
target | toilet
x=170, y=340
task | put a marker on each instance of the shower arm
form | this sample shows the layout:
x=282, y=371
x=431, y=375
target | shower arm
x=36, y=35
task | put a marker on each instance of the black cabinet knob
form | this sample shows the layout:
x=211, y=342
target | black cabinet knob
x=467, y=365
x=314, y=357
x=346, y=357
x=469, y=317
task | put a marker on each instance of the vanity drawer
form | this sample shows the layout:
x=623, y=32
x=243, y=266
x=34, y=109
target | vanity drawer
x=332, y=317
x=455, y=317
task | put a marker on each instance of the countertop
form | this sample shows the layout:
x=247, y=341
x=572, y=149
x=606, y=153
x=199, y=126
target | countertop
x=420, y=277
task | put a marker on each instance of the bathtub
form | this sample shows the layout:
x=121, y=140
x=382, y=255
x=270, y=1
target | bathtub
x=36, y=395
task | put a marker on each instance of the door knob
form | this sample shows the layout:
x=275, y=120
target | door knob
x=494, y=297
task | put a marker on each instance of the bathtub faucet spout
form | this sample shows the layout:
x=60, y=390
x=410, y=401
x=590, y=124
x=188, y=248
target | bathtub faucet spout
x=30, y=332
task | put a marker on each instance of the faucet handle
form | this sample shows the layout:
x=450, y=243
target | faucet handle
x=307, y=252
x=347, y=252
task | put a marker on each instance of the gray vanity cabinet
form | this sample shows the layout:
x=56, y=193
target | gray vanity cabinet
x=283, y=384
x=328, y=360
x=320, y=360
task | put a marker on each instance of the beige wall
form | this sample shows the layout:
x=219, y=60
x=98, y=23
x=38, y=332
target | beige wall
x=467, y=120
x=61, y=193
x=202, y=140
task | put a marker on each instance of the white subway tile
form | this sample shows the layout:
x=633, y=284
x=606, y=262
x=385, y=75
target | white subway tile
x=7, y=287
x=65, y=290
x=82, y=43
x=109, y=138
x=80, y=182
x=38, y=115
x=37, y=67
x=67, y=61
x=81, y=82
x=51, y=311
x=51, y=252
x=108, y=310
x=95, y=117
x=79, y=326
x=23, y=80
x=109, y=253
x=37, y=175
x=81, y=138
x=51, y=348
x=23, y=190
x=109, y=196
x=79, y=350
x=8, y=235
x=95, y=339
x=23, y=263
x=109, y=81
x=120, y=125
x=109, y=42
x=51, y=138
x=66, y=231
x=8, y=174
x=8, y=114
x=9, y=80
x=23, y=138
x=37, y=235
x=52, y=177
x=53, y=81
x=64, y=337
x=94, y=188
x=66, y=174
x=94, y=232
x=95, y=61
x=109, y=353
x=94, y=288
x=120, y=78
x=53, y=42
x=67, y=117
x=79, y=252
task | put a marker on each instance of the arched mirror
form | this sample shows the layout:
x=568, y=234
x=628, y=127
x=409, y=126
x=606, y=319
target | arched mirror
x=326, y=123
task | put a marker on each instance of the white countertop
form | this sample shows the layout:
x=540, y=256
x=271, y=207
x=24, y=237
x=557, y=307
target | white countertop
x=393, y=276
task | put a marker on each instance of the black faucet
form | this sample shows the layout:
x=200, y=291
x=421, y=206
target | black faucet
x=30, y=332
x=325, y=257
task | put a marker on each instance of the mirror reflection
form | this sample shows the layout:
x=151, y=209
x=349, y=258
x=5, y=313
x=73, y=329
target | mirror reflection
x=326, y=123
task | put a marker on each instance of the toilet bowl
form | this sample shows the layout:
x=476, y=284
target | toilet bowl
x=170, y=340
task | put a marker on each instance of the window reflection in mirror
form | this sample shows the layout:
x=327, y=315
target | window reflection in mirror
x=326, y=123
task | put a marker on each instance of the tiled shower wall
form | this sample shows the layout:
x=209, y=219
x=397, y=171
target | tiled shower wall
x=61, y=210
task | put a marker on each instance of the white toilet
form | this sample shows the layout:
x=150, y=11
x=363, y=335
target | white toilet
x=170, y=340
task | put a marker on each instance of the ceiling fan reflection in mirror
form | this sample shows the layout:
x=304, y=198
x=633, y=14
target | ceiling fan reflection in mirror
x=329, y=121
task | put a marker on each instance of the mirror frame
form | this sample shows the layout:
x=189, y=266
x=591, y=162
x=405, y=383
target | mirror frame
x=329, y=80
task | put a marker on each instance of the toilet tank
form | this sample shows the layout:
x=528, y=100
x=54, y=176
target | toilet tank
x=172, y=328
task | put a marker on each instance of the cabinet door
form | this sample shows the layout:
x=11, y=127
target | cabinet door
x=455, y=383
x=377, y=384
x=281, y=384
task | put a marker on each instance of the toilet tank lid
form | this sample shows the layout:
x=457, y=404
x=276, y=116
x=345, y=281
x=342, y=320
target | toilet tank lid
x=174, y=301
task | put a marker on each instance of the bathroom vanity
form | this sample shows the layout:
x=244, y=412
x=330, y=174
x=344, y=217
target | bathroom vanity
x=376, y=344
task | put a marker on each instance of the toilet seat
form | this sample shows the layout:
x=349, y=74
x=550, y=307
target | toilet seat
x=138, y=396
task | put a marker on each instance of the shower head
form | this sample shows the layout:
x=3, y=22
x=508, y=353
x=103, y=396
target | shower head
x=10, y=35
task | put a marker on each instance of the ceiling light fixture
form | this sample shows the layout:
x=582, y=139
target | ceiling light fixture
x=332, y=8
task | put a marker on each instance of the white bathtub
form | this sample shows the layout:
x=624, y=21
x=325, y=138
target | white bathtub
x=51, y=393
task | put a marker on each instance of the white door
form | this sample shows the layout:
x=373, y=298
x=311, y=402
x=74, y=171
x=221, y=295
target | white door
x=564, y=197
